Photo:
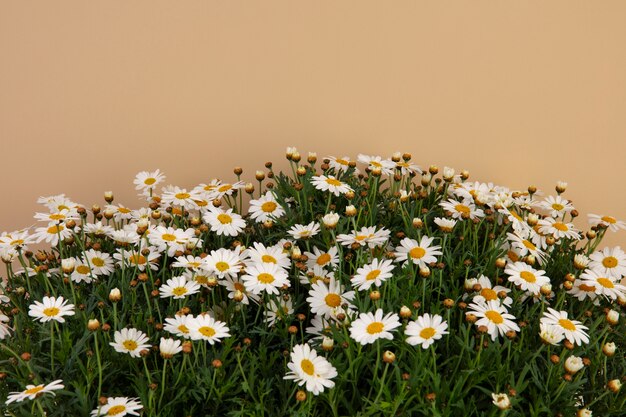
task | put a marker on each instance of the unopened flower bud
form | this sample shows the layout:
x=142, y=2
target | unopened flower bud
x=351, y=211
x=501, y=401
x=67, y=265
x=327, y=344
x=608, y=349
x=93, y=325
x=301, y=395
x=573, y=364
x=560, y=187
x=115, y=295
x=238, y=296
x=614, y=385
x=389, y=357
x=500, y=263
x=405, y=312
x=612, y=317
x=417, y=223
x=108, y=196
x=330, y=220
x=375, y=295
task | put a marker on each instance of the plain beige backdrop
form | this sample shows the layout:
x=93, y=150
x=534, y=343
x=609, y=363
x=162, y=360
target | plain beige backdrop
x=517, y=92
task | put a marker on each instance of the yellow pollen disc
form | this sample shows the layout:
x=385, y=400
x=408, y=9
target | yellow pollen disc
x=137, y=259
x=372, y=275
x=587, y=288
x=489, y=294
x=224, y=188
x=269, y=206
x=207, y=331
x=183, y=329
x=201, y=203
x=462, y=208
x=34, y=390
x=177, y=211
x=567, y=325
x=17, y=242
x=417, y=253
x=82, y=269
x=307, y=366
x=149, y=181
x=57, y=216
x=558, y=207
x=605, y=282
x=201, y=279
x=209, y=187
x=529, y=245
x=323, y=259
x=512, y=256
x=560, y=226
x=332, y=181
x=427, y=333
x=239, y=287
x=224, y=218
x=123, y=210
x=222, y=266
x=375, y=327
x=178, y=291
x=528, y=276
x=610, y=262
x=62, y=207
x=168, y=237
x=494, y=316
x=342, y=162
x=193, y=264
x=115, y=410
x=55, y=229
x=359, y=238
x=130, y=344
x=332, y=300
x=265, y=278
x=182, y=196
x=51, y=311
x=268, y=259
x=376, y=164
x=97, y=261
x=609, y=219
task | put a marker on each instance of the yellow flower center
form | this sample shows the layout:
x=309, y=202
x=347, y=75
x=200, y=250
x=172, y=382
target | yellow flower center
x=265, y=278
x=323, y=259
x=224, y=218
x=489, y=294
x=201, y=279
x=529, y=244
x=17, y=242
x=512, y=256
x=417, y=253
x=123, y=210
x=193, y=264
x=372, y=275
x=149, y=181
x=130, y=344
x=82, y=269
x=427, y=333
x=528, y=276
x=97, y=261
x=494, y=316
x=605, y=282
x=183, y=329
x=53, y=230
x=375, y=327
x=137, y=259
x=182, y=196
x=462, y=208
x=34, y=390
x=307, y=366
x=224, y=188
x=558, y=207
x=51, y=311
x=222, y=266
x=168, y=237
x=376, y=164
x=268, y=259
x=609, y=262
x=567, y=325
x=201, y=203
x=178, y=291
x=587, y=288
x=239, y=287
x=115, y=410
x=207, y=331
x=333, y=181
x=269, y=206
x=560, y=226
x=609, y=219
x=332, y=300
x=342, y=162
x=57, y=216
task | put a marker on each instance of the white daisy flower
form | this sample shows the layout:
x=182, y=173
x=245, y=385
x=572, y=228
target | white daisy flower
x=374, y=273
x=277, y=311
x=420, y=254
x=217, y=189
x=300, y=231
x=17, y=239
x=267, y=254
x=306, y=368
x=5, y=329
x=407, y=168
x=604, y=284
x=551, y=334
x=331, y=184
x=133, y=259
x=557, y=206
x=445, y=225
x=462, y=210
x=582, y=290
x=205, y=327
x=125, y=236
x=101, y=262
x=146, y=181
x=339, y=164
x=528, y=278
x=119, y=407
x=234, y=284
x=56, y=202
x=609, y=261
x=367, y=235
x=189, y=262
x=517, y=222
x=322, y=258
x=494, y=316
x=490, y=293
x=370, y=327
x=265, y=208
x=56, y=217
x=82, y=273
x=170, y=239
x=33, y=391
x=558, y=229
x=521, y=241
x=265, y=277
x=316, y=274
x=169, y=347
x=178, y=288
x=425, y=330
x=98, y=229
x=51, y=309
x=131, y=341
x=573, y=330
x=180, y=197
x=386, y=166
x=611, y=222
x=223, y=262
x=224, y=222
x=329, y=300
x=51, y=234
x=119, y=212
x=179, y=325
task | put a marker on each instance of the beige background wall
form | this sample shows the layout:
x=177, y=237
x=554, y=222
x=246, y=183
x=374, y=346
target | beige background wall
x=518, y=92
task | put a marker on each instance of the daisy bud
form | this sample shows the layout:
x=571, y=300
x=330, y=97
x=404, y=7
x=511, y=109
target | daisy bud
x=292, y=329
x=465, y=174
x=212, y=281
x=555, y=359
x=546, y=290
x=612, y=317
x=431, y=396
x=351, y=211
x=580, y=261
x=591, y=234
x=301, y=395
x=289, y=153
x=469, y=284
x=426, y=178
x=296, y=156
x=568, y=345
x=187, y=347
x=424, y=272
x=448, y=303
x=389, y=357
x=95, y=209
x=501, y=401
x=448, y=174
x=93, y=325
x=349, y=195
x=108, y=196
x=550, y=240
x=608, y=349
x=115, y=295
x=621, y=300
x=584, y=412
x=614, y=385
x=330, y=220
x=500, y=263
x=532, y=219
x=573, y=364
x=25, y=356
x=311, y=158
x=67, y=265
x=106, y=327
x=405, y=312
x=327, y=344
x=530, y=260
x=156, y=215
x=470, y=318
x=238, y=296
x=417, y=223
x=108, y=214
x=560, y=187
x=377, y=172
x=396, y=156
x=249, y=188
x=568, y=285
x=375, y=295
x=296, y=253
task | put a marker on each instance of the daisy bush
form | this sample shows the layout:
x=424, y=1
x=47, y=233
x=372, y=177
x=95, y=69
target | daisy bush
x=344, y=287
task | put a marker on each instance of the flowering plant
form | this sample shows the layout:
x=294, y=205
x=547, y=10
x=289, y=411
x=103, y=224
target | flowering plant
x=365, y=287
